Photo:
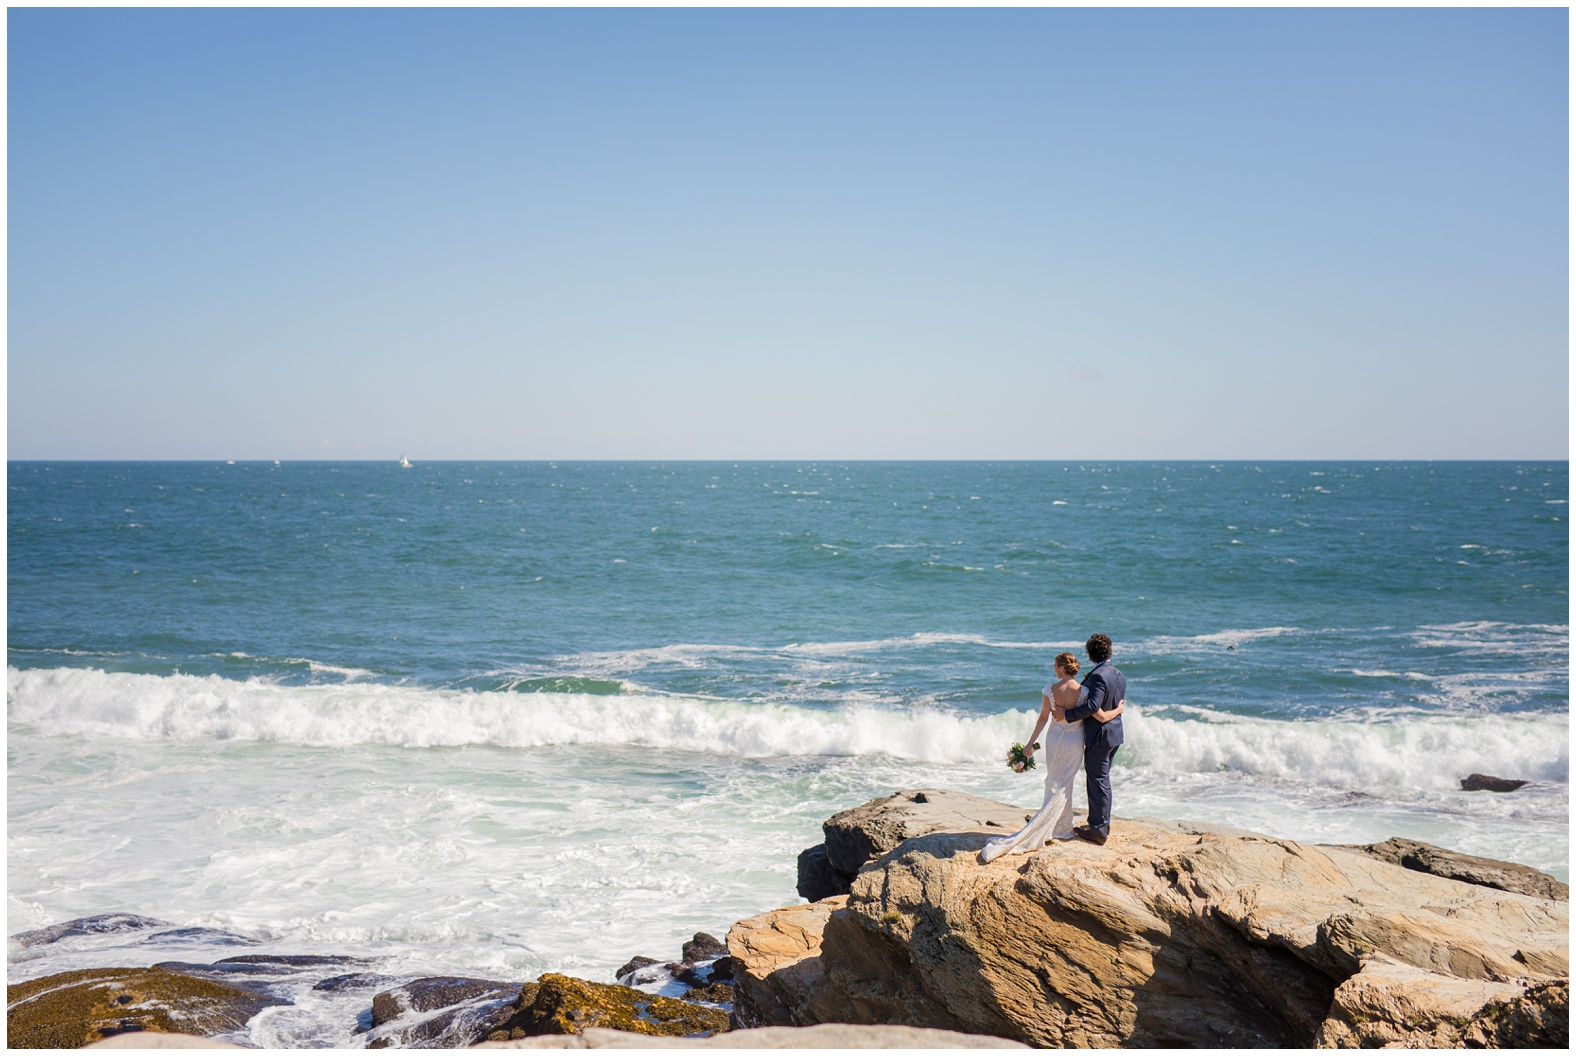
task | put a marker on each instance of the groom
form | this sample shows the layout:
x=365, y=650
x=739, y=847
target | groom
x=1107, y=686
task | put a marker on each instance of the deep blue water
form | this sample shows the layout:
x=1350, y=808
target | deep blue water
x=1258, y=588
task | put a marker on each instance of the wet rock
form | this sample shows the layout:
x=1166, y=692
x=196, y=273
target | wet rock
x=294, y=960
x=1485, y=783
x=816, y=878
x=272, y=974
x=1467, y=868
x=439, y=1012
x=562, y=1004
x=206, y=936
x=703, y=947
x=635, y=964
x=220, y=969
x=355, y=981
x=688, y=974
x=265, y=980
x=71, y=1009
x=102, y=924
x=722, y=970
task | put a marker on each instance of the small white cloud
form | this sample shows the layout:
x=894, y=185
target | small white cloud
x=1081, y=373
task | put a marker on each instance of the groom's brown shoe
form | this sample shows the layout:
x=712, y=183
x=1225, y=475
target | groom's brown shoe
x=1084, y=832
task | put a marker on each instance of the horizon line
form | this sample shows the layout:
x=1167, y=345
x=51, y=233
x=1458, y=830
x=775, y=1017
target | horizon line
x=446, y=461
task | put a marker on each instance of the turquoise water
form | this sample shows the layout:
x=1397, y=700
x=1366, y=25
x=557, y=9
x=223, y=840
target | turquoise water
x=509, y=717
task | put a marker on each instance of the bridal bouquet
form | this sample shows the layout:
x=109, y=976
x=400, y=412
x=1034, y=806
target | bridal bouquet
x=1018, y=761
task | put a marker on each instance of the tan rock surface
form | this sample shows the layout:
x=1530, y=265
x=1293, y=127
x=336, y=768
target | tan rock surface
x=825, y=1036
x=854, y=837
x=1469, y=868
x=1164, y=936
x=152, y=1039
x=777, y=973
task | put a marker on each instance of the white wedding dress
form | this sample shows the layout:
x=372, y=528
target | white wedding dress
x=1064, y=748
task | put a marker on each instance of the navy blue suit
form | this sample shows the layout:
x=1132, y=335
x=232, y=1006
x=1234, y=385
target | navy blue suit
x=1106, y=688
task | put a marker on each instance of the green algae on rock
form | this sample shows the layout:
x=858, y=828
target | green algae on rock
x=561, y=1004
x=71, y=1009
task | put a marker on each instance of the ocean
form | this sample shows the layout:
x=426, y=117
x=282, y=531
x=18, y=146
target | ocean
x=494, y=719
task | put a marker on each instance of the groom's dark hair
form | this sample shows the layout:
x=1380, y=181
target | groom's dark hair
x=1098, y=647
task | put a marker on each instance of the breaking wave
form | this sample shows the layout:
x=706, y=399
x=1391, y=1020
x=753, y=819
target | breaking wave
x=1394, y=749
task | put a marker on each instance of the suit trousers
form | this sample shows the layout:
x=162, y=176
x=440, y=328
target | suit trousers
x=1097, y=779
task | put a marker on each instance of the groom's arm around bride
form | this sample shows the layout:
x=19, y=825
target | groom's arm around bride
x=1105, y=687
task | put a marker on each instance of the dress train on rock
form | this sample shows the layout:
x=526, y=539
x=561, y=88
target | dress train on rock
x=1063, y=756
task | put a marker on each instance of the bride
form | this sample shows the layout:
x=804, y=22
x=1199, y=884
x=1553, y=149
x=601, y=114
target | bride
x=1064, y=748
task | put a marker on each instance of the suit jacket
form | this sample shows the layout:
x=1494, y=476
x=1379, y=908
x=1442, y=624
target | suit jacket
x=1106, y=686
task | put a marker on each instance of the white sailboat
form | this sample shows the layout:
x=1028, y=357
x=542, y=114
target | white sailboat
x=404, y=463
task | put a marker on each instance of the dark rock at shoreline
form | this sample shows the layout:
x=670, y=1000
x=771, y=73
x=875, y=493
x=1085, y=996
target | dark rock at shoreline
x=703, y=947
x=206, y=936
x=71, y=1009
x=275, y=975
x=139, y=930
x=1169, y=935
x=102, y=924
x=355, y=981
x=295, y=960
x=705, y=962
x=816, y=877
x=685, y=973
x=474, y=1008
x=634, y=965
x=1469, y=869
x=1485, y=783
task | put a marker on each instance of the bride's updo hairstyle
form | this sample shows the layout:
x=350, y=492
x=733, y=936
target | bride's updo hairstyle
x=1067, y=662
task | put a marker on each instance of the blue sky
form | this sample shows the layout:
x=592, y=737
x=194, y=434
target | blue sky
x=1052, y=234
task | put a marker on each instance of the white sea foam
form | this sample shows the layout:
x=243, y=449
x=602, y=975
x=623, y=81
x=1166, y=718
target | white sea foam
x=1394, y=749
x=1380, y=753
x=1229, y=637
x=1415, y=676
x=82, y=702
x=696, y=656
x=1532, y=641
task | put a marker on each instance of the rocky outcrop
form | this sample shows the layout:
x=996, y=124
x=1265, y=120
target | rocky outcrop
x=1469, y=869
x=439, y=1012
x=1488, y=783
x=102, y=924
x=706, y=966
x=71, y=1009
x=1162, y=937
x=826, y=1036
x=561, y=1004
x=778, y=976
x=855, y=836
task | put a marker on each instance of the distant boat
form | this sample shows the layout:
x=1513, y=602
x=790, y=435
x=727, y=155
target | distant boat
x=404, y=463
